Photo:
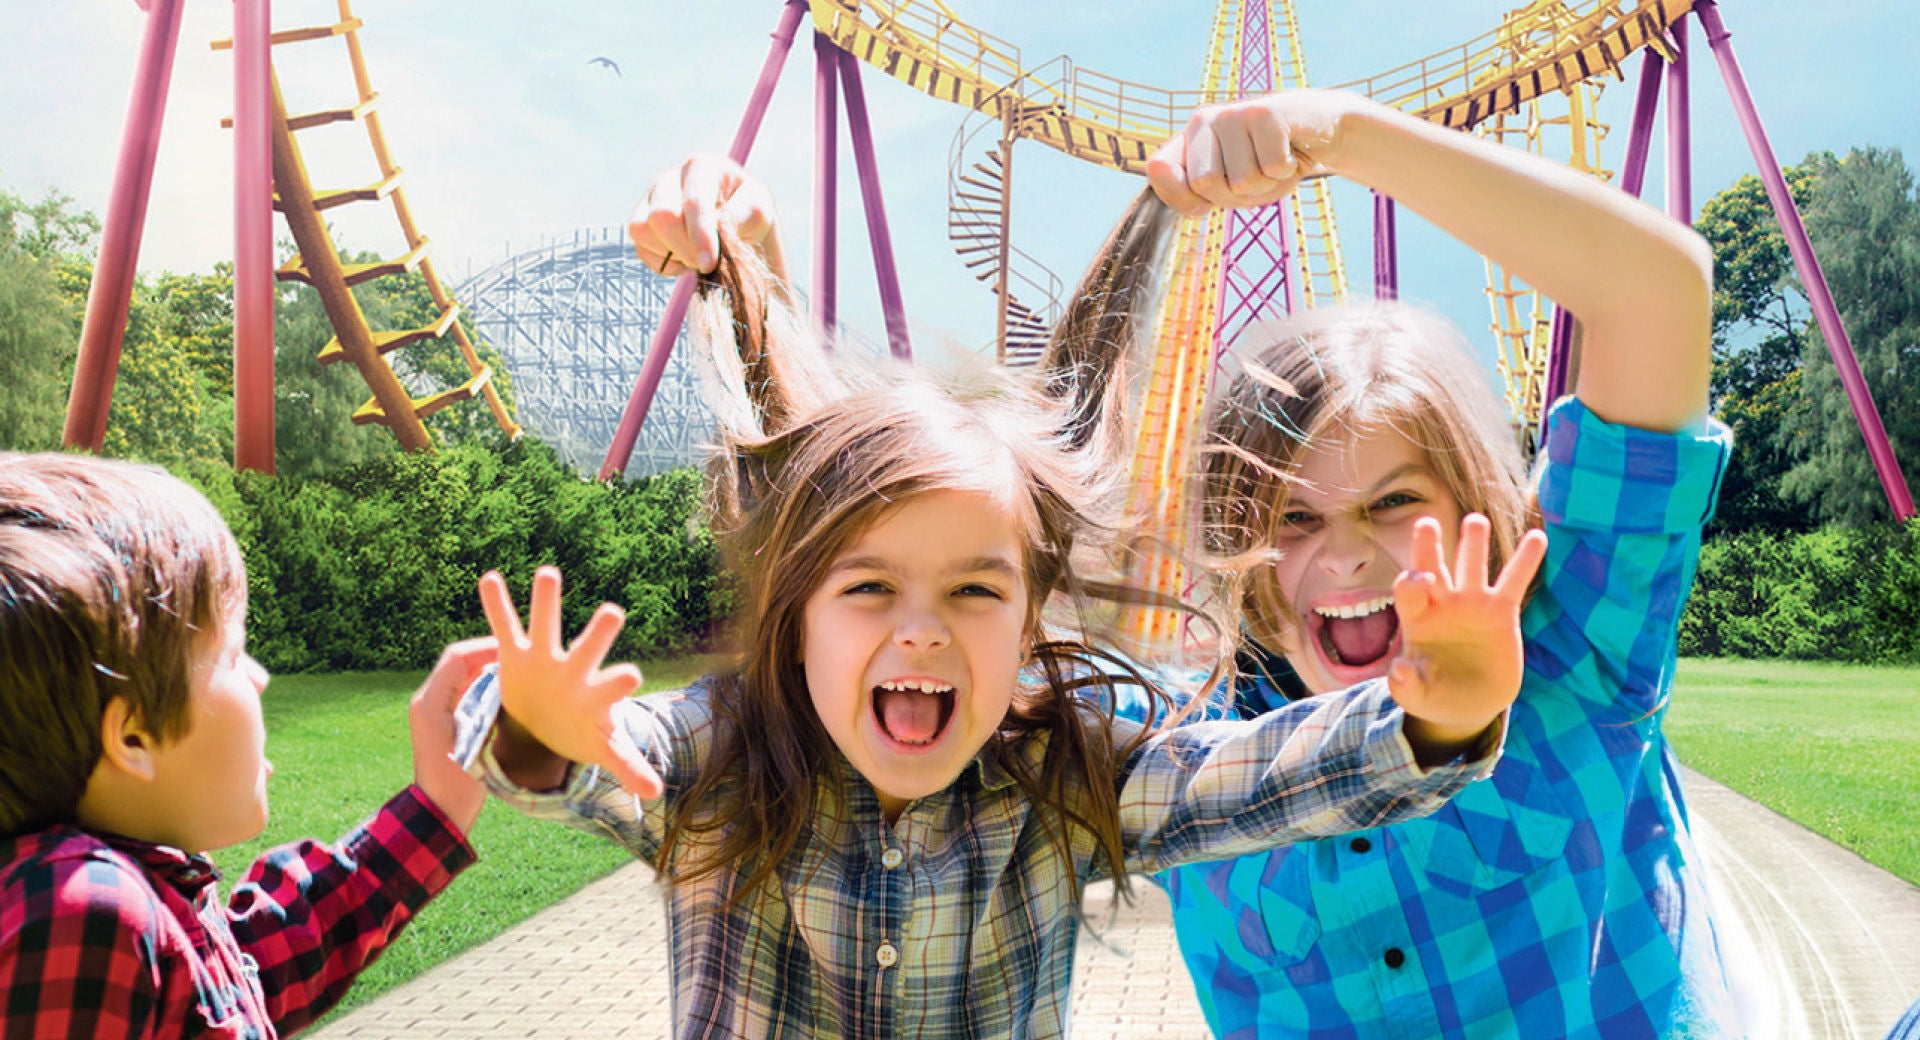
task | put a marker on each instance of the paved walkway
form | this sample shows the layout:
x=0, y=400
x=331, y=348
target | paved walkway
x=1834, y=945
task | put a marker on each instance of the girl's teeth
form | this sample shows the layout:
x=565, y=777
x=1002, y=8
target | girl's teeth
x=1354, y=610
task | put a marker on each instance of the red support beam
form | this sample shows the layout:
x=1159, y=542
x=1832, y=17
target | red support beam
x=113, y=272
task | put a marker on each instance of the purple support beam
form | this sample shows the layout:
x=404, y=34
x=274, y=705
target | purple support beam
x=1646, y=102
x=624, y=438
x=1679, y=136
x=112, y=289
x=1859, y=397
x=1257, y=265
x=888, y=276
x=826, y=183
x=1386, y=250
x=252, y=236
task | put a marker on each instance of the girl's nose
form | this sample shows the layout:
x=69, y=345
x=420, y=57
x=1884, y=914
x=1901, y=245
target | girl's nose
x=1347, y=551
x=921, y=630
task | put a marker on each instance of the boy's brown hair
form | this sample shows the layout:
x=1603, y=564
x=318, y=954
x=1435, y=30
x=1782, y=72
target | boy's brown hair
x=110, y=575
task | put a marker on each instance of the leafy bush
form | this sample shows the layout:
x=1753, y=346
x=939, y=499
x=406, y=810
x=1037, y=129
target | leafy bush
x=374, y=567
x=1835, y=594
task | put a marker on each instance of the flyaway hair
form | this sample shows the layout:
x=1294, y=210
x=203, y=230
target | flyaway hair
x=1090, y=356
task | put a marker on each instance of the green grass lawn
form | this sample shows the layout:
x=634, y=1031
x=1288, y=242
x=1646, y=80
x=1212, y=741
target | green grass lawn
x=339, y=749
x=1836, y=747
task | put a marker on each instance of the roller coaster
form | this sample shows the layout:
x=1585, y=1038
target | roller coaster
x=1532, y=78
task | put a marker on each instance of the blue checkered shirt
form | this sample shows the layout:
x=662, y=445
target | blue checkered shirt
x=1564, y=899
x=959, y=919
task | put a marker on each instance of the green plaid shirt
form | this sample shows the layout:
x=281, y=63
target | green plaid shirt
x=959, y=919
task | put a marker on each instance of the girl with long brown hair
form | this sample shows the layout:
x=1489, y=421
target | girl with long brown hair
x=878, y=822
x=1565, y=897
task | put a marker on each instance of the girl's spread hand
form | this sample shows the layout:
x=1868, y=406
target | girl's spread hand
x=561, y=696
x=1460, y=657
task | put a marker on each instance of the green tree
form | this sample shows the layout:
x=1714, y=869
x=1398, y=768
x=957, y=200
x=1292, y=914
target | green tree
x=165, y=407
x=41, y=245
x=196, y=312
x=314, y=432
x=38, y=330
x=49, y=229
x=1759, y=321
x=1864, y=220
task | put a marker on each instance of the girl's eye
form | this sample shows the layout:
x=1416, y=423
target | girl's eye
x=865, y=588
x=1394, y=500
x=978, y=590
x=1297, y=518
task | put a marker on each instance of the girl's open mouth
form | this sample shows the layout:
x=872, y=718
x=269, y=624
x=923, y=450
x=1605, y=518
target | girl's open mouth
x=1359, y=637
x=913, y=712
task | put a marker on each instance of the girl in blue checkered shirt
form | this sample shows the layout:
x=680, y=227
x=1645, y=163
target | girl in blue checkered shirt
x=1565, y=898
x=878, y=823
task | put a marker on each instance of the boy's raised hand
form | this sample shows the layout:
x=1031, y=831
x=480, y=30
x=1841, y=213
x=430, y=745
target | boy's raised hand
x=1460, y=657
x=431, y=723
x=561, y=696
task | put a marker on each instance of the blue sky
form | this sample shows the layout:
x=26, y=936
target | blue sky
x=509, y=135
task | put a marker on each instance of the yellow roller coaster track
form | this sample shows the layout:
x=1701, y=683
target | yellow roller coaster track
x=1493, y=83
x=318, y=261
x=1117, y=123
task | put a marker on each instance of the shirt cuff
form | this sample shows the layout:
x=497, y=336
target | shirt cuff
x=1474, y=762
x=1599, y=475
x=476, y=719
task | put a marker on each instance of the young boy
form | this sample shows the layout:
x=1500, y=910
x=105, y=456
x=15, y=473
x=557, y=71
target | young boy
x=131, y=742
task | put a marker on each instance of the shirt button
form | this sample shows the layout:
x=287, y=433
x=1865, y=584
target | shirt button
x=887, y=956
x=1360, y=845
x=891, y=858
x=1394, y=957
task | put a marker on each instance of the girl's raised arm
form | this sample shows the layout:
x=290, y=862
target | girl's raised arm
x=1639, y=282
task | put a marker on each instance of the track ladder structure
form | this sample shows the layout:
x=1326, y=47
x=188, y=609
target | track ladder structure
x=318, y=261
x=1227, y=274
x=1522, y=322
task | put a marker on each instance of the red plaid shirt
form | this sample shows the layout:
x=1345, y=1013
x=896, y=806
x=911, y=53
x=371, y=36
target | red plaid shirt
x=103, y=936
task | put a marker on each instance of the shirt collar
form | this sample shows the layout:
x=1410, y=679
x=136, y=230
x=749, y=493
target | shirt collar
x=184, y=872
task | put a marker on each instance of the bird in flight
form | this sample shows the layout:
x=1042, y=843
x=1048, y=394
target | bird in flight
x=608, y=62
